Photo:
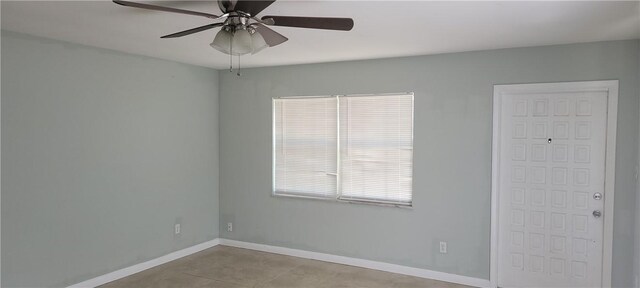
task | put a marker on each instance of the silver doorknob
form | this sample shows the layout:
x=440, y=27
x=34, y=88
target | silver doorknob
x=597, y=196
x=597, y=213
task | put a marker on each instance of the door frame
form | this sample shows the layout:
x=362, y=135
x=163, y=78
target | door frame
x=609, y=86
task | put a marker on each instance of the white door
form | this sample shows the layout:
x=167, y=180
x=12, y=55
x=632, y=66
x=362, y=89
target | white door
x=551, y=187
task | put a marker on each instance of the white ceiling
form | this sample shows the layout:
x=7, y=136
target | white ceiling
x=382, y=28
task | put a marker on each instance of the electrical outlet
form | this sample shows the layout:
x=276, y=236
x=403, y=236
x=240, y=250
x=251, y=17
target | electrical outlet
x=443, y=247
x=176, y=229
x=230, y=227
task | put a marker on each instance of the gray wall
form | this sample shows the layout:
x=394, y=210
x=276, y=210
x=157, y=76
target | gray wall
x=452, y=164
x=637, y=260
x=101, y=153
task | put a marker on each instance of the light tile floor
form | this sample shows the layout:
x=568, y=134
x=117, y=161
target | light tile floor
x=228, y=267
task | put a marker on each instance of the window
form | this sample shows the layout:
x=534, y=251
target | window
x=350, y=148
x=305, y=146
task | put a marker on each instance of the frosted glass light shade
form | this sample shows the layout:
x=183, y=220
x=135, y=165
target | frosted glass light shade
x=241, y=42
x=222, y=42
x=257, y=42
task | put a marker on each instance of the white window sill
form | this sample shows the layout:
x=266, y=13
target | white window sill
x=349, y=201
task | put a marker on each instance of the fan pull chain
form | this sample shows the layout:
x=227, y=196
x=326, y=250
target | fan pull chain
x=230, y=56
x=238, y=66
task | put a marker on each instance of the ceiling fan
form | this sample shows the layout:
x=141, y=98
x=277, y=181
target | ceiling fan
x=242, y=32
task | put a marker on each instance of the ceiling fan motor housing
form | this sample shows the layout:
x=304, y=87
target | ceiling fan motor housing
x=236, y=21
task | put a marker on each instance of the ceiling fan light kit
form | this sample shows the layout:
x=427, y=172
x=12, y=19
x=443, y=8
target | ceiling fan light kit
x=242, y=32
x=238, y=42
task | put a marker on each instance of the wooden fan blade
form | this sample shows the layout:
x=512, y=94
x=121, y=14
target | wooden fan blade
x=165, y=9
x=193, y=30
x=344, y=24
x=272, y=38
x=252, y=7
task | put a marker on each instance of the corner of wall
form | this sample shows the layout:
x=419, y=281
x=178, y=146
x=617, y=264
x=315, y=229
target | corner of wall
x=636, y=280
x=218, y=80
x=218, y=98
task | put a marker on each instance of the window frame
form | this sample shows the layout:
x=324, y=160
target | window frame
x=337, y=196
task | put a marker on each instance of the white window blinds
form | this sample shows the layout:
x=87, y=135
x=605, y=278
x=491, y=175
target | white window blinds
x=305, y=146
x=371, y=162
x=376, y=148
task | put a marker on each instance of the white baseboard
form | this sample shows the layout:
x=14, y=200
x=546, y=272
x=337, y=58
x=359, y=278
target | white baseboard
x=124, y=272
x=393, y=268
